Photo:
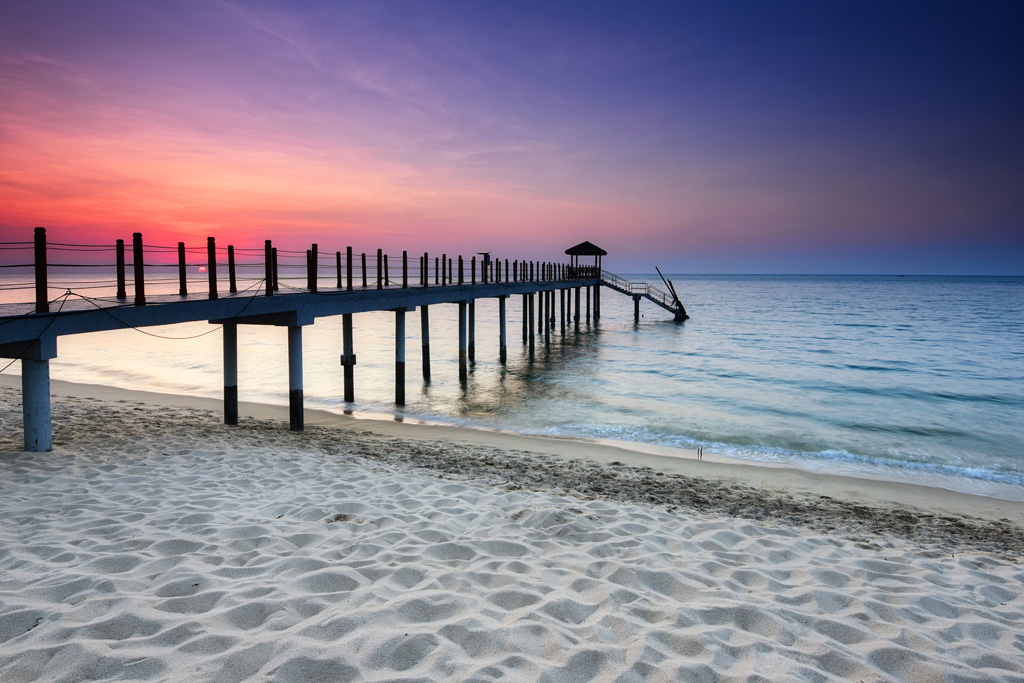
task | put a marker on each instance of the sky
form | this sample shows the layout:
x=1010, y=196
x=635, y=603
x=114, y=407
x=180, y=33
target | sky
x=703, y=137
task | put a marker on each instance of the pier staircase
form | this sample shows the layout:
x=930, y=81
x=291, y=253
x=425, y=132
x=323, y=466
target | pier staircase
x=642, y=290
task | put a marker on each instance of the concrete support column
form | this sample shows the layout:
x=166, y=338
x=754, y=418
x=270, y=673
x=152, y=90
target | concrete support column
x=463, y=366
x=597, y=302
x=588, y=304
x=526, y=318
x=295, y=410
x=529, y=317
x=400, y=356
x=35, y=404
x=348, y=360
x=425, y=337
x=230, y=331
x=502, y=349
x=472, y=332
x=541, y=300
x=561, y=315
x=547, y=316
x=576, y=317
x=636, y=308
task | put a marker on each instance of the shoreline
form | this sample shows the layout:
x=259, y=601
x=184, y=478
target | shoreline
x=794, y=488
x=156, y=543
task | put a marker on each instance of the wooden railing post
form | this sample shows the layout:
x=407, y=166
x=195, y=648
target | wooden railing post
x=42, y=286
x=138, y=267
x=268, y=267
x=472, y=270
x=277, y=283
x=182, y=285
x=232, y=281
x=460, y=269
x=348, y=268
x=364, y=269
x=211, y=265
x=337, y=258
x=121, y=292
x=380, y=269
x=405, y=270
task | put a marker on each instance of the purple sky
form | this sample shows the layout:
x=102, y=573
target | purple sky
x=818, y=137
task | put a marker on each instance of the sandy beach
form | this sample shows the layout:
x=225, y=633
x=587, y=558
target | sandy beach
x=155, y=543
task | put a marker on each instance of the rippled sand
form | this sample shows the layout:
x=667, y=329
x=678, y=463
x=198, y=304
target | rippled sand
x=157, y=544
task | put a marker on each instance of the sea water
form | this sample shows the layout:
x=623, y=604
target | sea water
x=915, y=379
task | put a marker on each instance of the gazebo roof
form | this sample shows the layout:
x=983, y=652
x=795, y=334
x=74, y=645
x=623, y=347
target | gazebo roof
x=586, y=249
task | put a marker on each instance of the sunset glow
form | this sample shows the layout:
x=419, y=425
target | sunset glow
x=804, y=138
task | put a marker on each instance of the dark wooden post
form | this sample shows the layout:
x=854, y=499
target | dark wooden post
x=636, y=308
x=437, y=271
x=472, y=270
x=337, y=263
x=425, y=273
x=451, y=265
x=182, y=286
x=515, y=270
x=471, y=346
x=232, y=282
x=532, y=334
x=122, y=292
x=314, y=263
x=460, y=270
x=139, y=268
x=444, y=269
x=268, y=267
x=597, y=300
x=364, y=269
x=561, y=293
x=277, y=282
x=211, y=265
x=380, y=269
x=42, y=284
x=348, y=268
x=387, y=275
x=405, y=270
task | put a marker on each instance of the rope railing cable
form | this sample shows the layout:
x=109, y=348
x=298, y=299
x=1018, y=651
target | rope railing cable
x=40, y=335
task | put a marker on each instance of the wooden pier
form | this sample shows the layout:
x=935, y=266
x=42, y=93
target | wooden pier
x=552, y=294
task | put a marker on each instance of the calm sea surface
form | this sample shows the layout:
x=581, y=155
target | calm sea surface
x=906, y=378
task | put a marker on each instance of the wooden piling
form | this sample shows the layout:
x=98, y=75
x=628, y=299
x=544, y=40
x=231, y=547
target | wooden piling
x=597, y=302
x=295, y=409
x=337, y=264
x=576, y=315
x=380, y=269
x=405, y=270
x=364, y=269
x=444, y=269
x=348, y=359
x=588, y=305
x=425, y=341
x=182, y=284
x=230, y=333
x=232, y=282
x=472, y=270
x=461, y=273
x=636, y=308
x=122, y=292
x=277, y=282
x=400, y=356
x=139, y=268
x=425, y=270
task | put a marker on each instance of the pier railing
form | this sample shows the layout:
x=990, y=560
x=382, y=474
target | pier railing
x=211, y=270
